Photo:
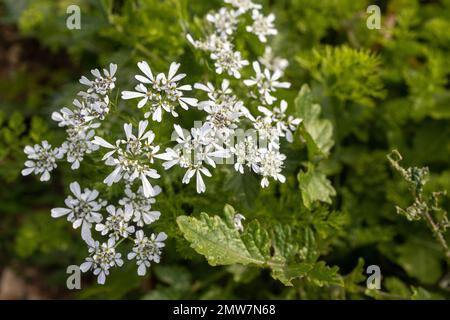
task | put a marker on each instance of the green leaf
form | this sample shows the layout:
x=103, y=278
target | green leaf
x=355, y=277
x=317, y=132
x=420, y=262
x=315, y=186
x=420, y=293
x=222, y=244
x=322, y=275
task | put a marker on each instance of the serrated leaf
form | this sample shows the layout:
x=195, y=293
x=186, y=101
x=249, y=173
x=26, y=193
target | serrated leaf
x=356, y=276
x=317, y=132
x=213, y=238
x=315, y=186
x=322, y=275
x=222, y=244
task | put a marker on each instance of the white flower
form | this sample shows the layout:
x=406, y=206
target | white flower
x=77, y=145
x=262, y=26
x=101, y=259
x=225, y=21
x=117, y=224
x=81, y=117
x=101, y=84
x=244, y=5
x=141, y=206
x=268, y=132
x=237, y=220
x=272, y=162
x=271, y=62
x=229, y=61
x=266, y=83
x=246, y=153
x=96, y=106
x=212, y=43
x=161, y=92
x=286, y=125
x=224, y=93
x=82, y=209
x=132, y=157
x=42, y=160
x=146, y=250
x=194, y=150
x=224, y=109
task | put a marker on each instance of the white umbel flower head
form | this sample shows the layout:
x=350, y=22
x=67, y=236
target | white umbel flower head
x=244, y=5
x=41, y=160
x=101, y=258
x=77, y=145
x=132, y=157
x=82, y=209
x=272, y=162
x=147, y=250
x=225, y=21
x=161, y=92
x=194, y=150
x=141, y=205
x=271, y=62
x=102, y=84
x=229, y=61
x=262, y=26
x=266, y=83
x=117, y=224
x=286, y=125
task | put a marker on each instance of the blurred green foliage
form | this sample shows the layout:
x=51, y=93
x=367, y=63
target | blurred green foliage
x=369, y=91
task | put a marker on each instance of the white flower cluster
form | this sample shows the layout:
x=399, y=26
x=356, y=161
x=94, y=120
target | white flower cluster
x=121, y=223
x=221, y=136
x=161, y=92
x=80, y=123
x=132, y=158
x=219, y=42
x=228, y=134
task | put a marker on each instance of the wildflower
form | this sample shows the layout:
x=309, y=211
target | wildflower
x=117, y=224
x=286, y=125
x=244, y=5
x=272, y=162
x=262, y=26
x=101, y=259
x=266, y=83
x=141, y=206
x=82, y=209
x=161, y=92
x=268, y=132
x=132, y=157
x=212, y=43
x=42, y=160
x=77, y=145
x=225, y=21
x=101, y=84
x=271, y=62
x=193, y=151
x=96, y=106
x=146, y=250
x=246, y=153
x=229, y=61
x=223, y=108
